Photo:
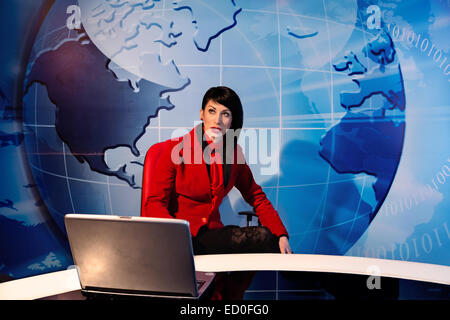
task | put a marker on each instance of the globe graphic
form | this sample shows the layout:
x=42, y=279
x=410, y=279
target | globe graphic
x=321, y=88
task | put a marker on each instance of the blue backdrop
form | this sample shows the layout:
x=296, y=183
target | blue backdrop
x=346, y=116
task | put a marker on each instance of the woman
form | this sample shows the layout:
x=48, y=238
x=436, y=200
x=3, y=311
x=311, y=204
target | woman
x=192, y=176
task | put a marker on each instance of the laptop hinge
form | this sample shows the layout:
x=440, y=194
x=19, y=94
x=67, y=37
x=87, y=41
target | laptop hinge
x=136, y=293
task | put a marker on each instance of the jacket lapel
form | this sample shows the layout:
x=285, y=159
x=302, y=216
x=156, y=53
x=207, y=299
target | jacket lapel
x=192, y=153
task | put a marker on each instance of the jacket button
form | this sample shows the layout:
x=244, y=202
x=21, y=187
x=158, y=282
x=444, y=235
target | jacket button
x=204, y=220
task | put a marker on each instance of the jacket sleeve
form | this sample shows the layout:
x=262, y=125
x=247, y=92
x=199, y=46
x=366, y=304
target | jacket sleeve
x=255, y=196
x=158, y=183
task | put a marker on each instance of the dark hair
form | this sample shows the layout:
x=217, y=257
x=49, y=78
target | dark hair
x=227, y=97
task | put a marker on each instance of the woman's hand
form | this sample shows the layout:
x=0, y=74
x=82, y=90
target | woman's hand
x=284, y=245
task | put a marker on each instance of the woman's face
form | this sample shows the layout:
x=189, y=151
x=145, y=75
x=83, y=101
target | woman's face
x=216, y=119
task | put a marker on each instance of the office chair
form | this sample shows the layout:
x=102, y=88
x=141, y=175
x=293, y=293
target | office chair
x=250, y=215
x=151, y=158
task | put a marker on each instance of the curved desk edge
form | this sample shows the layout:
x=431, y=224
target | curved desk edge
x=65, y=281
x=324, y=263
x=40, y=286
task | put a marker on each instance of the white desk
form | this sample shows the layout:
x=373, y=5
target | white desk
x=41, y=286
x=325, y=263
x=66, y=281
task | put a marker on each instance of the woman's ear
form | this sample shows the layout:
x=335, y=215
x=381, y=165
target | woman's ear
x=201, y=114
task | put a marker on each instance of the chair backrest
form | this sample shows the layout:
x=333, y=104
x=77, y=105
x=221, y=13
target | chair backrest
x=151, y=159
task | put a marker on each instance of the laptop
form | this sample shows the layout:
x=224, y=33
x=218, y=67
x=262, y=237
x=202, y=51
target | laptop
x=124, y=257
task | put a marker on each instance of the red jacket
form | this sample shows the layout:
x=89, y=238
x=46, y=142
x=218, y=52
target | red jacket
x=176, y=184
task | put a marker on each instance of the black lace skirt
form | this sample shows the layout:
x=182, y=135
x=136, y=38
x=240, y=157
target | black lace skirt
x=235, y=239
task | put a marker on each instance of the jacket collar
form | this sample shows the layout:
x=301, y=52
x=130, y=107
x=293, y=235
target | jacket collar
x=192, y=146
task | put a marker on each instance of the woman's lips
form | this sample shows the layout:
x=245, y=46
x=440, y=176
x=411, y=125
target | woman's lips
x=214, y=132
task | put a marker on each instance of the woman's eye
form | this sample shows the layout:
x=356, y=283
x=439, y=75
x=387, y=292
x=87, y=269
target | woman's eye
x=211, y=110
x=226, y=114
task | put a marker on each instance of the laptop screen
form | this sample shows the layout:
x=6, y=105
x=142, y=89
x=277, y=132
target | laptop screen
x=132, y=255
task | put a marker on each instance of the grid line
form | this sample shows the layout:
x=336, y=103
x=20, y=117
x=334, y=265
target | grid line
x=324, y=203
x=280, y=123
x=76, y=179
x=355, y=215
x=243, y=66
x=67, y=180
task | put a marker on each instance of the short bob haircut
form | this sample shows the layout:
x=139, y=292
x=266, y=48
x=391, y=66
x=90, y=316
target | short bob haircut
x=228, y=98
